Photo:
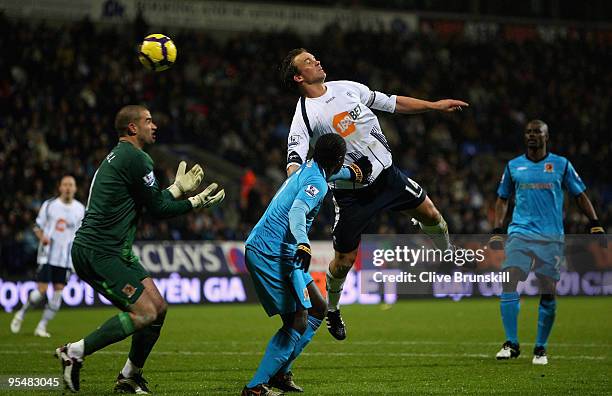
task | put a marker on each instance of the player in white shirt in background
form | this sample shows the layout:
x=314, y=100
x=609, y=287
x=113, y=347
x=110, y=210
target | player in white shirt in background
x=343, y=107
x=56, y=224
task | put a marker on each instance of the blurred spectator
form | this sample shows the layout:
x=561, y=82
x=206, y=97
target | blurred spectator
x=61, y=87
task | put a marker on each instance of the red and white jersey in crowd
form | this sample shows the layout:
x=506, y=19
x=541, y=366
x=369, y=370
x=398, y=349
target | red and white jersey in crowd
x=58, y=222
x=343, y=109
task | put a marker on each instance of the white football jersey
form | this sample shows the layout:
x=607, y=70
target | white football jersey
x=343, y=109
x=59, y=222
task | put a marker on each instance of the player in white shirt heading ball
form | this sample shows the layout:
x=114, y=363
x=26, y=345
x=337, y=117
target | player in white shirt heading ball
x=56, y=223
x=345, y=108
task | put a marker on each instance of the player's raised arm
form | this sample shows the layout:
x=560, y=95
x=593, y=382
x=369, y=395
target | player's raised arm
x=358, y=172
x=159, y=204
x=298, y=141
x=409, y=105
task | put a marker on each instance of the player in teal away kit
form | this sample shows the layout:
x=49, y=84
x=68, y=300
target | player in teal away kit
x=535, y=235
x=278, y=256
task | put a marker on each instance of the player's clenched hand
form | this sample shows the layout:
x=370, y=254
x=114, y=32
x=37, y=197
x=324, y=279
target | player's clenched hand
x=208, y=198
x=450, y=105
x=360, y=169
x=302, y=256
x=497, y=240
x=186, y=182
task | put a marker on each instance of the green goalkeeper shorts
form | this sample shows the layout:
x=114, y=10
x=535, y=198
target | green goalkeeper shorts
x=117, y=279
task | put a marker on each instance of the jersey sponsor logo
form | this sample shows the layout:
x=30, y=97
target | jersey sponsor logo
x=536, y=186
x=548, y=167
x=61, y=224
x=330, y=99
x=344, y=123
x=294, y=140
x=128, y=290
x=149, y=179
x=311, y=190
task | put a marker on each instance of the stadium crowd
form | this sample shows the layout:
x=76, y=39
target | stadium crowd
x=62, y=85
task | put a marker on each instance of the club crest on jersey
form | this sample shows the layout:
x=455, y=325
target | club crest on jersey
x=128, y=290
x=311, y=190
x=149, y=179
x=548, y=167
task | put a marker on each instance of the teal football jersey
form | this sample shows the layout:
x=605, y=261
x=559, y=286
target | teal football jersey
x=271, y=235
x=538, y=190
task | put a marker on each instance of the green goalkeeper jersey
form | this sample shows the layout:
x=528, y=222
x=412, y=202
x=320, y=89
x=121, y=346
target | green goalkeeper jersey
x=123, y=184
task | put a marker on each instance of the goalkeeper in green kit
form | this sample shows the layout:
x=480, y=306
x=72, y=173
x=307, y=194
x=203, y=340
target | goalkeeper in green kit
x=102, y=255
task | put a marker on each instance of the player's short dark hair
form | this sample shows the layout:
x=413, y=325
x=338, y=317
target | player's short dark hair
x=541, y=124
x=127, y=114
x=329, y=151
x=288, y=69
x=65, y=175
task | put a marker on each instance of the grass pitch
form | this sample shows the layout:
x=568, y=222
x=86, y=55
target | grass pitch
x=415, y=347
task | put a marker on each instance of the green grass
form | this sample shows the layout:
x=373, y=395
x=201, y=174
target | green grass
x=416, y=347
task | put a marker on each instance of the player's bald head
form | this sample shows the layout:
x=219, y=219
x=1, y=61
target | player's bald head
x=128, y=114
x=537, y=125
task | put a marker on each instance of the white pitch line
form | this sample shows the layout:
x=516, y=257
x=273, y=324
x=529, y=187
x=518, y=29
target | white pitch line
x=323, y=354
x=416, y=342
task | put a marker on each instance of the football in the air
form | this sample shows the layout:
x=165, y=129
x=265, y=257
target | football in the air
x=157, y=52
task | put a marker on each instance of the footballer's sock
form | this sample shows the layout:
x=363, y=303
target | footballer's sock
x=34, y=298
x=546, y=318
x=313, y=325
x=277, y=353
x=143, y=341
x=130, y=369
x=438, y=234
x=113, y=330
x=509, y=306
x=77, y=349
x=334, y=290
x=51, y=309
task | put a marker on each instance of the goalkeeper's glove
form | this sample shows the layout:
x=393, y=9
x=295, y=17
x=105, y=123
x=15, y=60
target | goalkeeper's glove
x=360, y=170
x=207, y=198
x=595, y=228
x=302, y=256
x=186, y=182
x=497, y=240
